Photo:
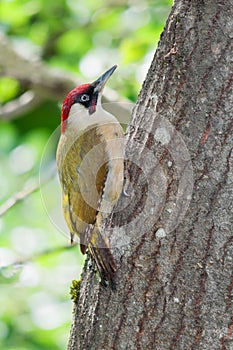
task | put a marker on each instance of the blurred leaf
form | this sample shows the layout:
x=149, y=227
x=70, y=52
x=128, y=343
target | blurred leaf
x=132, y=50
x=9, y=88
x=13, y=12
x=74, y=41
x=8, y=136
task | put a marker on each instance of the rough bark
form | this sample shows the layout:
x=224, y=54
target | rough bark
x=175, y=281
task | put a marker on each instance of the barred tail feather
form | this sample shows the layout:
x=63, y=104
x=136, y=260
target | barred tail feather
x=104, y=260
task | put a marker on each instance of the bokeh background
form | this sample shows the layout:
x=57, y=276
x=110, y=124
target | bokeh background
x=37, y=263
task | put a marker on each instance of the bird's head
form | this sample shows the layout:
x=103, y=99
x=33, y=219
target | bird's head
x=87, y=95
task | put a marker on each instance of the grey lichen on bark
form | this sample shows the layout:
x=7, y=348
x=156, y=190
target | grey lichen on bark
x=174, y=286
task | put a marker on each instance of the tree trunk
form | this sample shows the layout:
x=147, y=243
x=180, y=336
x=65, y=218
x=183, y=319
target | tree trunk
x=174, y=237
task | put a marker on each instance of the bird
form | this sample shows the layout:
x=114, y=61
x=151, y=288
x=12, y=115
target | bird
x=90, y=163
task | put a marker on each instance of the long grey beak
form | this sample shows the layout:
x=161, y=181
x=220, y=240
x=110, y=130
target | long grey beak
x=101, y=81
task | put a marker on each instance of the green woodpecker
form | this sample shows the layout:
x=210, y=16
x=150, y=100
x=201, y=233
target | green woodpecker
x=90, y=165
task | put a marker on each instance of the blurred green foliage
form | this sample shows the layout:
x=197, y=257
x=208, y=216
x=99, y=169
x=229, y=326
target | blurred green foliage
x=85, y=38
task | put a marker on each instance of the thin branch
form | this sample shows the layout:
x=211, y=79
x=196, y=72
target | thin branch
x=47, y=82
x=17, y=197
x=21, y=195
x=14, y=109
x=38, y=256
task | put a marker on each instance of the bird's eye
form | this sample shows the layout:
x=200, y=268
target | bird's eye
x=84, y=98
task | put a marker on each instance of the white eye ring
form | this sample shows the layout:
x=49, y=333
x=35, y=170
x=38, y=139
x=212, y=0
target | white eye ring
x=84, y=98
